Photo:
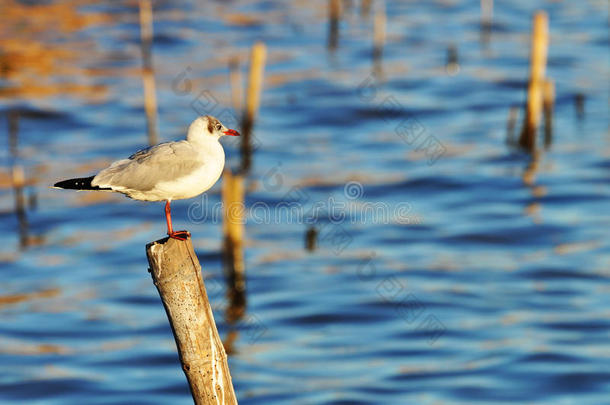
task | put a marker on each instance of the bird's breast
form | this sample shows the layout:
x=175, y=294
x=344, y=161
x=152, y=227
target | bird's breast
x=194, y=183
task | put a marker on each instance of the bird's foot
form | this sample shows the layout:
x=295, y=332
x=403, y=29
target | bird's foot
x=180, y=235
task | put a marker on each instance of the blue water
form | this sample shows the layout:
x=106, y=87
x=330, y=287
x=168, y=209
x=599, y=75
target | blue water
x=477, y=276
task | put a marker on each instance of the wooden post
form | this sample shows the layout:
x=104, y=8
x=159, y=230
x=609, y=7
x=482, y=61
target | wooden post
x=148, y=77
x=233, y=255
x=176, y=273
x=548, y=102
x=255, y=84
x=539, y=49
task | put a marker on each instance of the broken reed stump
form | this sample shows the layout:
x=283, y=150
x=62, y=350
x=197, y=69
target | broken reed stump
x=148, y=77
x=548, y=103
x=176, y=273
x=253, y=95
x=311, y=237
x=538, y=57
x=233, y=254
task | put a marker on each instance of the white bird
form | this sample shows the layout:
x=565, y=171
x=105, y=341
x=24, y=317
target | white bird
x=165, y=172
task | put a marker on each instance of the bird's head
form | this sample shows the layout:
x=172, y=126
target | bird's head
x=208, y=126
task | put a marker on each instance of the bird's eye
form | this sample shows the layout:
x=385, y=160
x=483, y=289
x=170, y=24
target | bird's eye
x=218, y=127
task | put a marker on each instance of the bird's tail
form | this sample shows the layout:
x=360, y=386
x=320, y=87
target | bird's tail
x=83, y=183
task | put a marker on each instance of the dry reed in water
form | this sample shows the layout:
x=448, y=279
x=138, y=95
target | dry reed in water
x=235, y=82
x=511, y=124
x=311, y=237
x=538, y=57
x=365, y=8
x=487, y=9
x=233, y=230
x=18, y=178
x=548, y=102
x=334, y=14
x=253, y=95
x=379, y=33
x=148, y=77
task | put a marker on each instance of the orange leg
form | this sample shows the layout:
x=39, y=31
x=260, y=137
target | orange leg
x=180, y=235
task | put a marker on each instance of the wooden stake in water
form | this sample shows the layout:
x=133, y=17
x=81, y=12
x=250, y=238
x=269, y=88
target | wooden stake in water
x=538, y=57
x=233, y=254
x=334, y=14
x=548, y=102
x=176, y=273
x=253, y=95
x=148, y=77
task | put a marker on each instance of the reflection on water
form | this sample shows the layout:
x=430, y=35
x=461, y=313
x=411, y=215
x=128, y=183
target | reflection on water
x=497, y=293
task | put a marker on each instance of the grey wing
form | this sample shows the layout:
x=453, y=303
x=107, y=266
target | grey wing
x=148, y=167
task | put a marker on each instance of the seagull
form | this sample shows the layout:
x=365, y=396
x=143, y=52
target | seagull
x=165, y=172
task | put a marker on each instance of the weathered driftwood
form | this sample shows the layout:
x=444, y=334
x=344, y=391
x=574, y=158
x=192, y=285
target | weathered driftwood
x=177, y=275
